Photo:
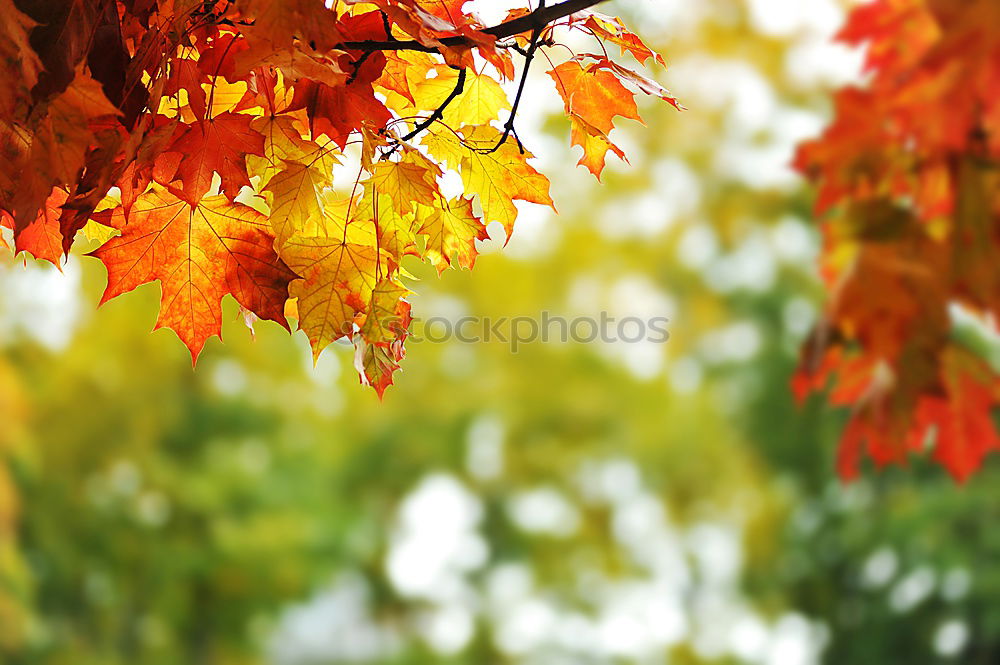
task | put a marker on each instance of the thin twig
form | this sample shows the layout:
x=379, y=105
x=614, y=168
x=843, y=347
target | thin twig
x=387, y=27
x=439, y=111
x=357, y=66
x=509, y=125
x=367, y=54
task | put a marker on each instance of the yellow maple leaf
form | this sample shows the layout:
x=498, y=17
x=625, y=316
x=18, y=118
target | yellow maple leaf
x=388, y=316
x=283, y=142
x=481, y=101
x=497, y=177
x=452, y=229
x=411, y=180
x=336, y=284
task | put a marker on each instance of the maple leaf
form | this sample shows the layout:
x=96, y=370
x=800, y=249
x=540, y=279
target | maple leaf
x=376, y=364
x=391, y=230
x=388, y=316
x=452, y=229
x=338, y=111
x=403, y=71
x=429, y=21
x=497, y=177
x=219, y=55
x=481, y=101
x=217, y=145
x=337, y=278
x=292, y=173
x=295, y=64
x=595, y=144
x=42, y=237
x=645, y=84
x=188, y=75
x=594, y=94
x=962, y=420
x=274, y=26
x=283, y=143
x=198, y=255
x=593, y=97
x=52, y=148
x=913, y=203
x=611, y=29
x=408, y=182
x=294, y=200
x=21, y=64
x=69, y=33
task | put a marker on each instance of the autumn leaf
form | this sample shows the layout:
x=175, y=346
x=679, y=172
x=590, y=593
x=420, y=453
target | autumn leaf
x=186, y=74
x=962, y=418
x=593, y=97
x=198, y=255
x=21, y=64
x=53, y=148
x=42, y=237
x=296, y=64
x=283, y=143
x=595, y=144
x=497, y=177
x=644, y=84
x=451, y=230
x=408, y=182
x=337, y=279
x=403, y=72
x=481, y=101
x=594, y=94
x=391, y=230
x=336, y=112
x=292, y=173
x=910, y=209
x=294, y=200
x=217, y=145
x=378, y=363
x=610, y=29
x=388, y=317
x=274, y=26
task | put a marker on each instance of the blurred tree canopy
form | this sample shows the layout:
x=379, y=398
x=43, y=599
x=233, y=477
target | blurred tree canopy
x=568, y=503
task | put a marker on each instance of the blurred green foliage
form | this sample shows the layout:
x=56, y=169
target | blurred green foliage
x=570, y=503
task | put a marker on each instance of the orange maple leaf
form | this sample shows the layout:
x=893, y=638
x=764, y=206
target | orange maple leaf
x=42, y=237
x=217, y=145
x=198, y=255
x=593, y=97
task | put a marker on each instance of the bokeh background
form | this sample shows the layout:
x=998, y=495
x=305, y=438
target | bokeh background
x=567, y=504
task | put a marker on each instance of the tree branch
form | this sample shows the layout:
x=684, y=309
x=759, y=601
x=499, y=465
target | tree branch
x=528, y=57
x=536, y=20
x=439, y=111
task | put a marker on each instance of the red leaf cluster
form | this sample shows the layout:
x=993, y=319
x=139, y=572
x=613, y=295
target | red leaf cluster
x=908, y=176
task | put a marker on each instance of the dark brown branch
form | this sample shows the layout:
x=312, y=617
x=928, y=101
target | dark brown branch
x=387, y=27
x=357, y=66
x=536, y=20
x=367, y=54
x=528, y=57
x=439, y=111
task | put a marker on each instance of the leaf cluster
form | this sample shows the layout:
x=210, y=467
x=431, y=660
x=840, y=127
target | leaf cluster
x=908, y=179
x=197, y=141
